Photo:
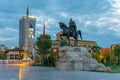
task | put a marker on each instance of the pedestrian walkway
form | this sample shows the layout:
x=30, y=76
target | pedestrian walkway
x=40, y=73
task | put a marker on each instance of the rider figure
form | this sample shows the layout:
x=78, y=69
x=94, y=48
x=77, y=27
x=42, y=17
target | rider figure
x=72, y=27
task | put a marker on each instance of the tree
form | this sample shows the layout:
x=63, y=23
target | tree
x=107, y=56
x=3, y=55
x=96, y=56
x=117, y=54
x=43, y=47
x=96, y=49
x=63, y=42
x=54, y=56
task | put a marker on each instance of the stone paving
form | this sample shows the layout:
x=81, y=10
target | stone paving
x=38, y=73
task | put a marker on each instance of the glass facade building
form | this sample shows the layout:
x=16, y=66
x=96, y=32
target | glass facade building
x=26, y=31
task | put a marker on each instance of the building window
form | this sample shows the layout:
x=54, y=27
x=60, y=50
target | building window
x=89, y=51
x=84, y=45
x=89, y=46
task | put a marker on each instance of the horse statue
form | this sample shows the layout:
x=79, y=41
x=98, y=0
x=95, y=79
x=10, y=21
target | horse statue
x=70, y=31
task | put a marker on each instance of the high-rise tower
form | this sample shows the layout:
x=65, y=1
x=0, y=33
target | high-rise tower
x=27, y=32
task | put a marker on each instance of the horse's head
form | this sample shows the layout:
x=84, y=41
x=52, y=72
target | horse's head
x=62, y=25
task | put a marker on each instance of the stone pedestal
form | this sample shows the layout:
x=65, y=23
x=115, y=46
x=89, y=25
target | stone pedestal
x=77, y=58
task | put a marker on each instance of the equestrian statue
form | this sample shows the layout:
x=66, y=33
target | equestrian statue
x=70, y=31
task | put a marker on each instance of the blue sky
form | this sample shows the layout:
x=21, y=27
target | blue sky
x=99, y=20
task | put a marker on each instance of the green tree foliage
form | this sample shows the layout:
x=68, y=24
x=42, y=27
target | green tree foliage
x=112, y=59
x=37, y=60
x=63, y=42
x=105, y=56
x=96, y=49
x=53, y=58
x=43, y=47
x=3, y=56
x=117, y=54
x=96, y=56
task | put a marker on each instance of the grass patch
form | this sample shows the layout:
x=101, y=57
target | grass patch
x=115, y=69
x=42, y=65
x=95, y=71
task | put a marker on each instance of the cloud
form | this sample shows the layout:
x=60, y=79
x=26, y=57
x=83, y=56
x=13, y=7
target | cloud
x=87, y=23
x=110, y=21
x=50, y=22
x=4, y=39
x=8, y=34
x=97, y=19
x=8, y=30
x=64, y=14
x=115, y=3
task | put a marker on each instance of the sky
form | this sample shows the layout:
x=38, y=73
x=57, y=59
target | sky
x=99, y=20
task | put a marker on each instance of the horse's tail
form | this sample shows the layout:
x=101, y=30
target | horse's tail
x=79, y=32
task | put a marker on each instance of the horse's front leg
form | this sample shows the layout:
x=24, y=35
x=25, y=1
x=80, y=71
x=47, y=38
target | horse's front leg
x=68, y=39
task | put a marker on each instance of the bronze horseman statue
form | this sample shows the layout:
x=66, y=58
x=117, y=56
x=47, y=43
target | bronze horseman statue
x=70, y=31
